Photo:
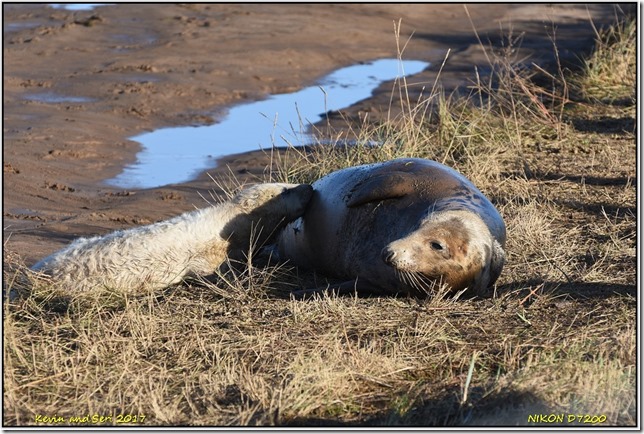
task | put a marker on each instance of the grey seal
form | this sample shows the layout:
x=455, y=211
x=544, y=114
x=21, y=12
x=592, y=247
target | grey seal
x=398, y=227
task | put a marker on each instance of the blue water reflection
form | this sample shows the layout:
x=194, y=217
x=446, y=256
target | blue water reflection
x=53, y=98
x=173, y=155
x=77, y=6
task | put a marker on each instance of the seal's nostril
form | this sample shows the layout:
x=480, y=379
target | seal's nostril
x=388, y=255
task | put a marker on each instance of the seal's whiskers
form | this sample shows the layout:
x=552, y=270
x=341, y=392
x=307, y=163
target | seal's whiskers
x=416, y=280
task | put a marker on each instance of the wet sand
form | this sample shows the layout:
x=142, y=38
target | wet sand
x=78, y=84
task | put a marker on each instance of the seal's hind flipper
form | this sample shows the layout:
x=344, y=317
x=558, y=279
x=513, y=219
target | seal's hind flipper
x=380, y=187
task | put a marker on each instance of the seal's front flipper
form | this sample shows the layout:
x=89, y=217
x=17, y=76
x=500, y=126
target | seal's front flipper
x=380, y=187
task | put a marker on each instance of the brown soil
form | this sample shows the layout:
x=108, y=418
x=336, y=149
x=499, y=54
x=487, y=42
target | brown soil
x=149, y=66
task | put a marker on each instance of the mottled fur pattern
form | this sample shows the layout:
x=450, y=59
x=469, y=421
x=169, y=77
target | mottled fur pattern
x=192, y=244
x=459, y=253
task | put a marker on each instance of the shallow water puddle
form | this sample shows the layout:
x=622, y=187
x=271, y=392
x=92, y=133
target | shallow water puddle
x=53, y=98
x=174, y=155
x=15, y=27
x=77, y=6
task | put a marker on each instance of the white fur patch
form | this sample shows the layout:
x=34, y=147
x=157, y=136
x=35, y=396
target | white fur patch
x=162, y=254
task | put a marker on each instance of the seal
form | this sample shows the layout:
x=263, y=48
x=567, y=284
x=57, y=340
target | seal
x=195, y=243
x=398, y=227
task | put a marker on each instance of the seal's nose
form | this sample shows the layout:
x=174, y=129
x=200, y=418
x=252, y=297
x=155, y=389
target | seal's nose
x=388, y=256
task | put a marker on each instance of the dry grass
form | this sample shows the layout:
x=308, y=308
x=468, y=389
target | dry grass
x=556, y=336
x=609, y=74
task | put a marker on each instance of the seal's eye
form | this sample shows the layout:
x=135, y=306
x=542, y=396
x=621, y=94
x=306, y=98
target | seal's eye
x=436, y=245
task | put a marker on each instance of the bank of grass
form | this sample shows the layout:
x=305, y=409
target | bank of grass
x=556, y=336
x=609, y=75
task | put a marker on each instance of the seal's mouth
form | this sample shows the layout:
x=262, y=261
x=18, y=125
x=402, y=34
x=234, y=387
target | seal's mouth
x=417, y=281
x=390, y=257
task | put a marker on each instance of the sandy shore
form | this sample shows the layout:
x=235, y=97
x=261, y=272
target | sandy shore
x=141, y=67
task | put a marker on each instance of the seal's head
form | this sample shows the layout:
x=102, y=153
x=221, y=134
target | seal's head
x=451, y=247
